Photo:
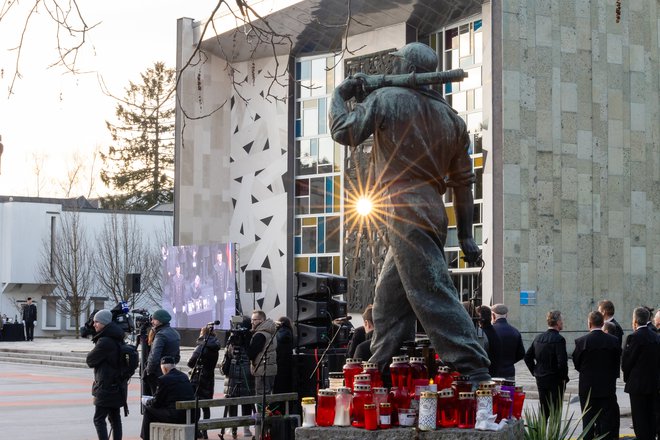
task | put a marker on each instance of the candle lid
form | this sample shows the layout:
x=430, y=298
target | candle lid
x=463, y=379
x=484, y=393
x=416, y=360
x=335, y=375
x=366, y=377
x=444, y=369
x=327, y=392
x=353, y=361
x=362, y=387
x=385, y=404
x=369, y=365
x=343, y=390
x=428, y=395
x=308, y=401
x=380, y=390
x=369, y=406
x=399, y=359
x=466, y=395
x=487, y=385
x=447, y=392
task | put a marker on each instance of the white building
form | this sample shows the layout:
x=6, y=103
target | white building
x=26, y=223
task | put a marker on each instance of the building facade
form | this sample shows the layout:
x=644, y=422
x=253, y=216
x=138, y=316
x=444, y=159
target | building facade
x=28, y=228
x=562, y=106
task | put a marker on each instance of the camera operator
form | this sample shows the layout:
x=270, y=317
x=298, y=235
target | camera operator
x=166, y=343
x=203, y=362
x=236, y=369
x=263, y=357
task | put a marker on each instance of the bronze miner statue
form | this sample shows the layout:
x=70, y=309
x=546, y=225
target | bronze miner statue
x=420, y=148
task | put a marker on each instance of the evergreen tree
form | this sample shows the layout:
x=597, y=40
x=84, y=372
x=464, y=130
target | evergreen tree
x=140, y=164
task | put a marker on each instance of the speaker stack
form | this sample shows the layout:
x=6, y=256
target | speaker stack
x=319, y=304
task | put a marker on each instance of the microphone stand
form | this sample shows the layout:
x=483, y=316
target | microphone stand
x=198, y=369
x=264, y=359
x=318, y=364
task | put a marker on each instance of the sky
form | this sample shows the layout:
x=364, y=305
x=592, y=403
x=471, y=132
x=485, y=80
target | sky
x=54, y=115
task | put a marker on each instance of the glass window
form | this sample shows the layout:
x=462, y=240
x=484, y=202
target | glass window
x=332, y=234
x=317, y=195
x=309, y=240
x=302, y=187
x=318, y=77
x=452, y=237
x=325, y=264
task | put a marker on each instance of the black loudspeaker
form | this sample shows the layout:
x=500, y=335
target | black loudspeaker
x=308, y=309
x=336, y=284
x=305, y=363
x=310, y=335
x=312, y=284
x=133, y=282
x=253, y=281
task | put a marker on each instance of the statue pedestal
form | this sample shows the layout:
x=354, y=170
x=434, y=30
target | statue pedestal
x=513, y=431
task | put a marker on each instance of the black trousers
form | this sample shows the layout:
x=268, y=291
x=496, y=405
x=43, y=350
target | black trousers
x=550, y=391
x=643, y=415
x=29, y=331
x=114, y=416
x=608, y=419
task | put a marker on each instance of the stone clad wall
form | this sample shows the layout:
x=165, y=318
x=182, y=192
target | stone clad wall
x=581, y=158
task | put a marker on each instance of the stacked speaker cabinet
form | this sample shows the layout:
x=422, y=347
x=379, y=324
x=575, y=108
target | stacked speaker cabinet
x=318, y=303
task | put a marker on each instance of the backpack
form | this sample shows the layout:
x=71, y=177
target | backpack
x=129, y=360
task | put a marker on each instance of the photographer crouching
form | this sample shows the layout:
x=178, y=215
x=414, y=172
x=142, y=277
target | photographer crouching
x=167, y=342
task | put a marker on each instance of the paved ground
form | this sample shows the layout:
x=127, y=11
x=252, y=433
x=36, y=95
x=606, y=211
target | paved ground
x=39, y=401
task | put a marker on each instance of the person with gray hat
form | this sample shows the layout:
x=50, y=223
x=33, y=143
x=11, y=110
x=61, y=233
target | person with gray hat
x=173, y=385
x=421, y=147
x=167, y=342
x=109, y=390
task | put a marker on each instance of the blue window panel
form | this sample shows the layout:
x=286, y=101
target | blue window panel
x=320, y=235
x=329, y=182
x=298, y=127
x=297, y=245
x=477, y=25
x=312, y=264
x=298, y=70
x=448, y=88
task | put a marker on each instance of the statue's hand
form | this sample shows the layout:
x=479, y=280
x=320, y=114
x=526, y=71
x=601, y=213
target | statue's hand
x=349, y=88
x=470, y=250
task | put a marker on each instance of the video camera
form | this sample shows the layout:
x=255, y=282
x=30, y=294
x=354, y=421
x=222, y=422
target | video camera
x=240, y=331
x=120, y=316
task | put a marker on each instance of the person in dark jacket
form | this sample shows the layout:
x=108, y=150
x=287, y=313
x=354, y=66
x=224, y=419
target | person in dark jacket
x=238, y=378
x=512, y=345
x=284, y=376
x=640, y=364
x=606, y=307
x=263, y=352
x=29, y=319
x=363, y=350
x=597, y=357
x=166, y=342
x=493, y=343
x=359, y=335
x=203, y=361
x=547, y=360
x=173, y=385
x=108, y=390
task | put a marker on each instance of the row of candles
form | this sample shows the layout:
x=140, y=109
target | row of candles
x=443, y=401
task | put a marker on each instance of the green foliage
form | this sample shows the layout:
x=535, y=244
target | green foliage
x=559, y=425
x=139, y=166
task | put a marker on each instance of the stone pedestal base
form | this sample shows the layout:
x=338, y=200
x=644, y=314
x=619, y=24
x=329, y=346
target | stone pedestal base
x=513, y=431
x=170, y=431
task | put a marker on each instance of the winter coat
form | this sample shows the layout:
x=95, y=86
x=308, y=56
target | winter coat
x=172, y=387
x=236, y=368
x=263, y=334
x=284, y=376
x=203, y=380
x=107, y=389
x=166, y=343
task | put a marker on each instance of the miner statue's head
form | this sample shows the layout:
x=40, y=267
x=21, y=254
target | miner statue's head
x=415, y=57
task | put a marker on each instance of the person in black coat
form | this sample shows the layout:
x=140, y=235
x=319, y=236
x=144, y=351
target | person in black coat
x=108, y=390
x=606, y=307
x=493, y=342
x=547, y=360
x=597, y=357
x=360, y=334
x=203, y=361
x=29, y=319
x=511, y=340
x=640, y=363
x=173, y=386
x=284, y=377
